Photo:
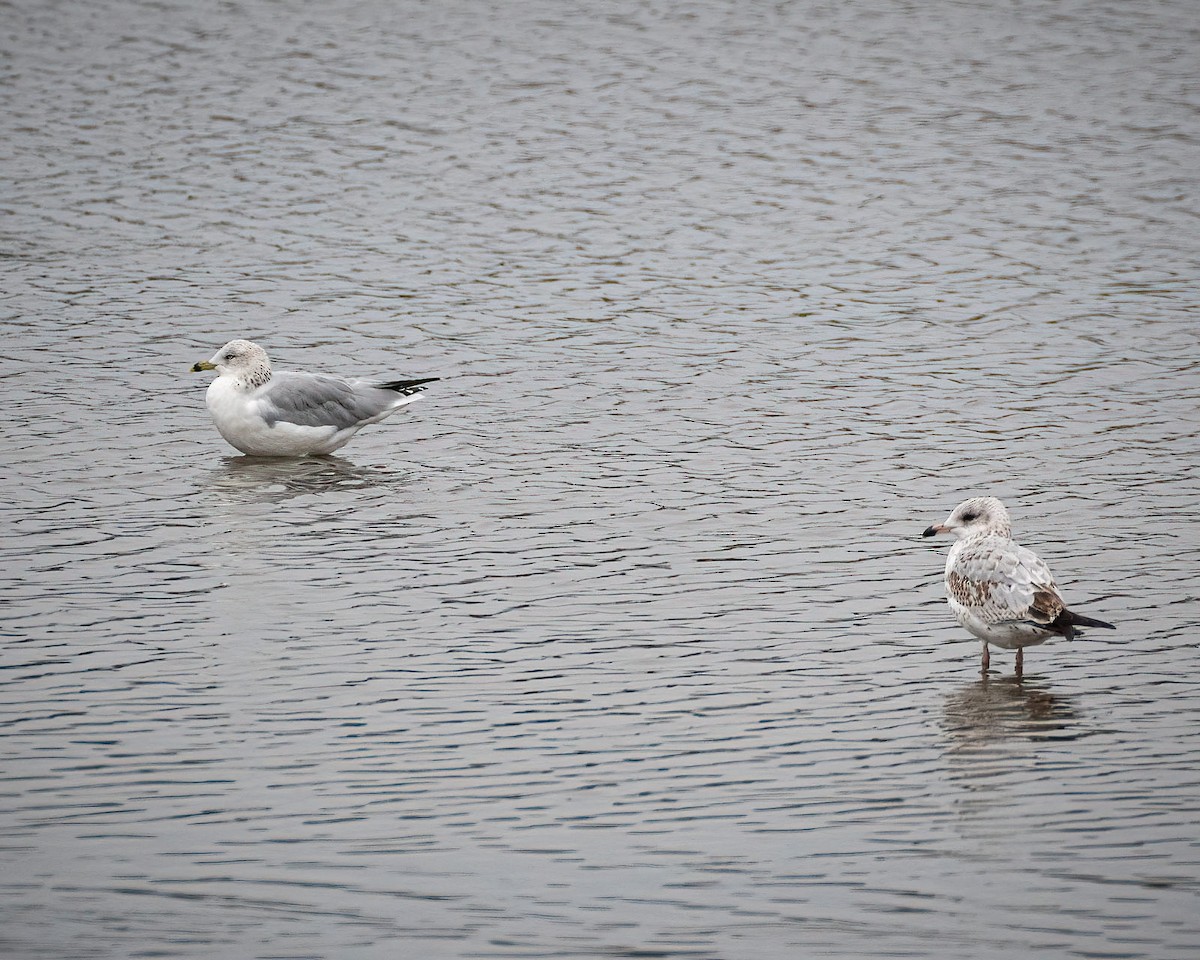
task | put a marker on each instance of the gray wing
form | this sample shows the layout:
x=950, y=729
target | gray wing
x=317, y=400
x=1001, y=582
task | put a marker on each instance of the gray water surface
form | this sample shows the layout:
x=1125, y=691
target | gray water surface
x=623, y=642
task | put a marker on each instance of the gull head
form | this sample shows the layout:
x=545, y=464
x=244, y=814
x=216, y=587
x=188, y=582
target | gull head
x=244, y=361
x=973, y=518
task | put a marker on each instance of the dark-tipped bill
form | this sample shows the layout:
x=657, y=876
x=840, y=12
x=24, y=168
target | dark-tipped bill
x=936, y=528
x=203, y=365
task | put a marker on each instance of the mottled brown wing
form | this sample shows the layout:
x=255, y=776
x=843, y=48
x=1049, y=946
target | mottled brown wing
x=1001, y=582
x=1046, y=606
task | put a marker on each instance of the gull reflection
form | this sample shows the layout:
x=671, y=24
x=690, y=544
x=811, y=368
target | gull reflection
x=999, y=733
x=275, y=479
x=1000, y=709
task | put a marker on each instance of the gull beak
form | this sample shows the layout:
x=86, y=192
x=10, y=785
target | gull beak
x=936, y=528
x=203, y=365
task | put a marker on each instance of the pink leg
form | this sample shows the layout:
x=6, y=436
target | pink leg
x=1020, y=660
x=986, y=662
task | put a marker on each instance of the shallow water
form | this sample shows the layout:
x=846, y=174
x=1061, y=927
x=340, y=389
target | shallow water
x=624, y=641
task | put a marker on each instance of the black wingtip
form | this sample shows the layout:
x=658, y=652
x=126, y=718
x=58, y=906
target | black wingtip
x=1067, y=620
x=1079, y=620
x=407, y=386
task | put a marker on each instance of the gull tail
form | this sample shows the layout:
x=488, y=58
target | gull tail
x=1066, y=622
x=407, y=387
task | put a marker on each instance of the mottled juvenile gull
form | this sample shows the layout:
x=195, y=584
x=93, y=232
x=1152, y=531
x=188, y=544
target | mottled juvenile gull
x=1000, y=591
x=279, y=413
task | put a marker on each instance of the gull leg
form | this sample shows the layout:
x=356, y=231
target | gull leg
x=986, y=661
x=1020, y=660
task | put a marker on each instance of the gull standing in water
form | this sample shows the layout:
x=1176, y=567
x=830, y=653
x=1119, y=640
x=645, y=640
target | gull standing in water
x=268, y=413
x=1001, y=592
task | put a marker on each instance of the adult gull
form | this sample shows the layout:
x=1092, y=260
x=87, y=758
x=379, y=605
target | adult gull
x=279, y=413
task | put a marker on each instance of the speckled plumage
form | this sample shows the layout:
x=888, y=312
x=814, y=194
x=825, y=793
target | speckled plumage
x=1000, y=591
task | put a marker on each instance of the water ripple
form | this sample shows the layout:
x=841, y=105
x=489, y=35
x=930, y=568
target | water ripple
x=624, y=642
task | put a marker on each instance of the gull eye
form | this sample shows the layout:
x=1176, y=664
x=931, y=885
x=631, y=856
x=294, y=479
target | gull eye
x=969, y=516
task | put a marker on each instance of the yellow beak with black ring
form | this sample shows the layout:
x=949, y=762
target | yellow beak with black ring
x=203, y=365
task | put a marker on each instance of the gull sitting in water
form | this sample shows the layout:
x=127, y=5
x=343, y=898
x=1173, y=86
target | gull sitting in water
x=1000, y=591
x=269, y=413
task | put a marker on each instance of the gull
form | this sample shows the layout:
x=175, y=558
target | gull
x=1001, y=592
x=278, y=413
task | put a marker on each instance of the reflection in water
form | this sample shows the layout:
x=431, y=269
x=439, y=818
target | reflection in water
x=997, y=710
x=273, y=480
x=589, y=660
x=998, y=733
